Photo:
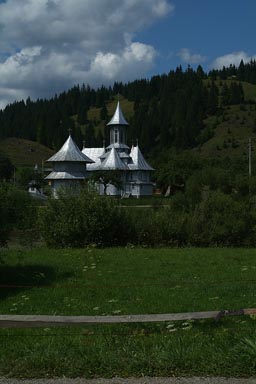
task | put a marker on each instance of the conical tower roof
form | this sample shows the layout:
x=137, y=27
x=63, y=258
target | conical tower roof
x=138, y=161
x=113, y=162
x=70, y=152
x=118, y=118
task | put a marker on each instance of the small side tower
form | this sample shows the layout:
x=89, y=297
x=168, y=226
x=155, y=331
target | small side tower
x=69, y=167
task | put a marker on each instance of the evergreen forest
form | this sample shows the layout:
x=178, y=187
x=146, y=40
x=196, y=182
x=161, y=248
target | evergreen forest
x=169, y=110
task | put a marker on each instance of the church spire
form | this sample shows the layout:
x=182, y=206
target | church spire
x=118, y=118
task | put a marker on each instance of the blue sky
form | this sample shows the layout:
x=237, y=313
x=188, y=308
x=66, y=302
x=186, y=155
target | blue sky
x=47, y=46
x=209, y=28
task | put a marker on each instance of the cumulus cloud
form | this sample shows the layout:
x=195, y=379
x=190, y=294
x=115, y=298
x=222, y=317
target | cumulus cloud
x=136, y=57
x=48, y=45
x=232, y=58
x=190, y=58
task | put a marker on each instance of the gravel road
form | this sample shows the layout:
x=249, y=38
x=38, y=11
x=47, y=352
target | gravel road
x=144, y=380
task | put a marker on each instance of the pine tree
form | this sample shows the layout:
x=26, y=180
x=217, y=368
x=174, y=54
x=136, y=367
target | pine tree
x=82, y=115
x=104, y=113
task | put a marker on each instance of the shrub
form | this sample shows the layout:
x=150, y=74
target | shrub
x=212, y=219
x=164, y=226
x=173, y=226
x=84, y=218
x=16, y=210
x=220, y=220
x=6, y=167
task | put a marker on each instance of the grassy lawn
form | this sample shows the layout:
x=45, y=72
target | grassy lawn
x=129, y=281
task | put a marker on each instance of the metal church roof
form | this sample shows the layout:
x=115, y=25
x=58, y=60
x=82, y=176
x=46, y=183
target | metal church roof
x=65, y=176
x=138, y=161
x=113, y=162
x=70, y=152
x=118, y=146
x=95, y=154
x=118, y=118
x=124, y=155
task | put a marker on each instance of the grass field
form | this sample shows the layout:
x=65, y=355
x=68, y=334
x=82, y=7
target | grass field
x=129, y=281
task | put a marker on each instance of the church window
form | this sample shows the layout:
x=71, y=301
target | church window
x=116, y=135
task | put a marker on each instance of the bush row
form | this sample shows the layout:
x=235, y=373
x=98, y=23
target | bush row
x=78, y=220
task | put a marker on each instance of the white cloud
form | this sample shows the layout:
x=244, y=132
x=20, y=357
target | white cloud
x=48, y=45
x=190, y=58
x=16, y=68
x=232, y=58
x=161, y=8
x=137, y=57
x=8, y=95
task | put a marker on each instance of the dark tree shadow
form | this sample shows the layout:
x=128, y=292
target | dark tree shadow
x=17, y=278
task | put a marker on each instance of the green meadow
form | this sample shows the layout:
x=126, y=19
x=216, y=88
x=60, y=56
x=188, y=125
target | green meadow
x=114, y=281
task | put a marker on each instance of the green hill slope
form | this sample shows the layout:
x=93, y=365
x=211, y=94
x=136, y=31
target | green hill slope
x=231, y=131
x=24, y=152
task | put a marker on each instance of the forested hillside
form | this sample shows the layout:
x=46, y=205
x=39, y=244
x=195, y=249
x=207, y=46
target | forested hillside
x=184, y=109
x=169, y=110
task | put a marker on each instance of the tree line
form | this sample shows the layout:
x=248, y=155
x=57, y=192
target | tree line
x=169, y=109
x=244, y=72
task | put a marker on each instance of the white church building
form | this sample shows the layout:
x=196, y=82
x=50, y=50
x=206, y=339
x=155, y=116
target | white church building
x=70, y=165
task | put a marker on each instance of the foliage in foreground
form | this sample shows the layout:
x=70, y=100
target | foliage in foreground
x=211, y=219
x=80, y=219
x=17, y=210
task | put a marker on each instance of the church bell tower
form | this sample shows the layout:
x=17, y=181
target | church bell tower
x=118, y=126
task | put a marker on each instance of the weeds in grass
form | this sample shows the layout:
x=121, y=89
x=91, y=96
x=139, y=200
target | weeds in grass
x=133, y=281
x=249, y=347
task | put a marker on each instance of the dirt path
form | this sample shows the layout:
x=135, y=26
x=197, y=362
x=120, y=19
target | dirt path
x=145, y=380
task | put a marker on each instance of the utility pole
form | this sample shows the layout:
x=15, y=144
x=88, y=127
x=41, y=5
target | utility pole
x=250, y=156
